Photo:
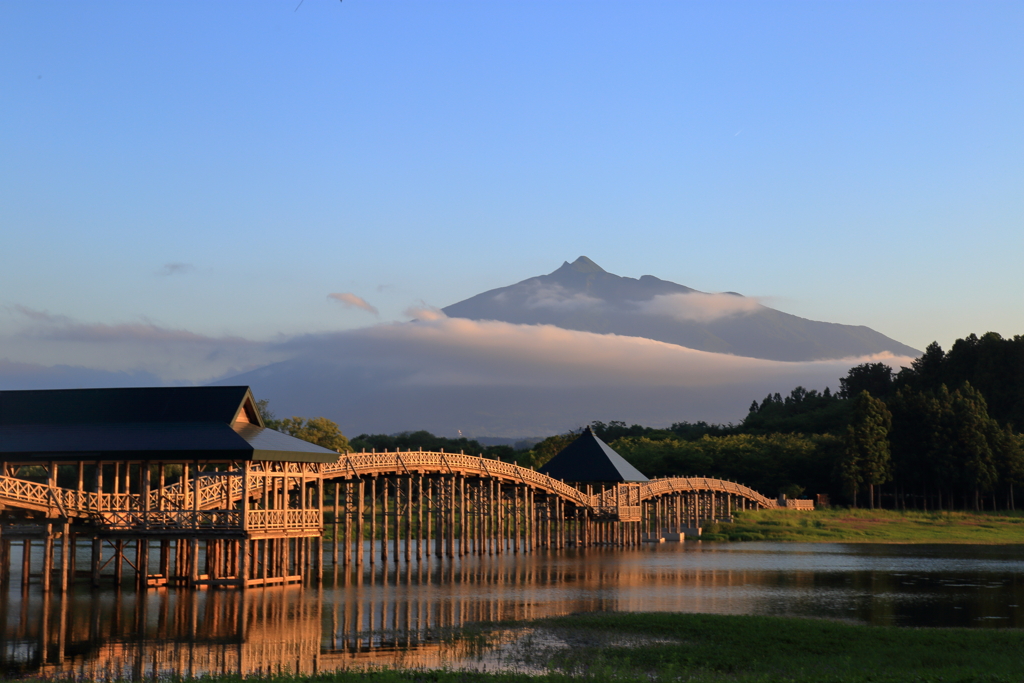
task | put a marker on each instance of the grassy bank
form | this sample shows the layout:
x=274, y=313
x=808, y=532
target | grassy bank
x=871, y=526
x=748, y=648
x=697, y=647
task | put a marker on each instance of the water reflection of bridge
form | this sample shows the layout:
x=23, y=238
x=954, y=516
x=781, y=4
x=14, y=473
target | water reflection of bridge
x=394, y=615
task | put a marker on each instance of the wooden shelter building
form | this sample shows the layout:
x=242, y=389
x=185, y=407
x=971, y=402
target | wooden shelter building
x=188, y=474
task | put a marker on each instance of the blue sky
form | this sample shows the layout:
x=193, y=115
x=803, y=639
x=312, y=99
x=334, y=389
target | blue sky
x=220, y=168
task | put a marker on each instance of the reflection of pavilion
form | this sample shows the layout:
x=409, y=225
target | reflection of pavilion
x=141, y=635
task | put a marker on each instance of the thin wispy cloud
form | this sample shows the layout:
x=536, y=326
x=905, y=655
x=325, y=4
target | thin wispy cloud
x=63, y=328
x=424, y=311
x=556, y=297
x=173, y=355
x=350, y=300
x=176, y=269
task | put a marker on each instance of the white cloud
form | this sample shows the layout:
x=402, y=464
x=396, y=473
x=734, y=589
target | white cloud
x=461, y=351
x=699, y=306
x=424, y=311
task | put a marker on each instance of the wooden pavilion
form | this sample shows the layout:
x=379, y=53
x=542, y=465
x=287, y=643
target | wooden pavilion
x=192, y=471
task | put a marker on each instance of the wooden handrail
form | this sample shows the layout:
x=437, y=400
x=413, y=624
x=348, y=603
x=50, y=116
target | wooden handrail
x=213, y=485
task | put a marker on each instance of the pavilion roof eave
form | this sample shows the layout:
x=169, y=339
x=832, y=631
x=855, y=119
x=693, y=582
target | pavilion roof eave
x=155, y=443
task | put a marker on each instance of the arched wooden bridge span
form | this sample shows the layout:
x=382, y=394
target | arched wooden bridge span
x=259, y=523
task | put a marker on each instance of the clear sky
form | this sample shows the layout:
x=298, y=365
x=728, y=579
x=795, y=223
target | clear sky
x=220, y=168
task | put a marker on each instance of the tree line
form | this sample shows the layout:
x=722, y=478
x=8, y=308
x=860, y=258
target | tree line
x=941, y=434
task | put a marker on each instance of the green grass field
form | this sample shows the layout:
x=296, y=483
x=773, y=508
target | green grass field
x=842, y=525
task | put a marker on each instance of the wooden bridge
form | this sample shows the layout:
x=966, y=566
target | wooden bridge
x=204, y=494
x=373, y=506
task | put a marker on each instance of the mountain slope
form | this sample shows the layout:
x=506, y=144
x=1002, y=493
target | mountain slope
x=583, y=296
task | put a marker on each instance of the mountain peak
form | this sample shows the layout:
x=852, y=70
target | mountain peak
x=582, y=265
x=584, y=296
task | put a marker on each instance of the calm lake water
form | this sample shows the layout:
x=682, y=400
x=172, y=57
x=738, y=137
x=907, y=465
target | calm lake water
x=395, y=614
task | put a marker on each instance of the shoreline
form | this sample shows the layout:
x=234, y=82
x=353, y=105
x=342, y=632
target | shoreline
x=842, y=525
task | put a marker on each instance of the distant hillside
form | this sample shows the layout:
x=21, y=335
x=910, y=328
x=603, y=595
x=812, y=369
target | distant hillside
x=583, y=296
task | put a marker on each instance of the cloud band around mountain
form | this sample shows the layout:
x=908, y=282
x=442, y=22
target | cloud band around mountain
x=438, y=373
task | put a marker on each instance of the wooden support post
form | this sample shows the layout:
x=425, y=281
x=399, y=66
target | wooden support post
x=500, y=520
x=26, y=561
x=246, y=549
x=5, y=559
x=346, y=555
x=142, y=562
x=559, y=525
x=384, y=519
x=489, y=517
x=450, y=515
x=419, y=516
x=193, y=561
x=66, y=565
x=96, y=560
x=396, y=486
x=373, y=520
x=47, y=558
x=118, y=562
x=514, y=521
x=463, y=516
x=337, y=527
x=435, y=490
x=480, y=516
x=360, y=518
x=439, y=515
x=319, y=541
x=527, y=499
x=408, y=517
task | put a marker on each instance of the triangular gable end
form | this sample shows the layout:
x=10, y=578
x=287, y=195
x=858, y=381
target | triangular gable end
x=589, y=459
x=247, y=412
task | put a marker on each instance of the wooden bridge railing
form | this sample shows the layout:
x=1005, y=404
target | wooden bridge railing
x=353, y=464
x=211, y=520
x=623, y=501
x=668, y=485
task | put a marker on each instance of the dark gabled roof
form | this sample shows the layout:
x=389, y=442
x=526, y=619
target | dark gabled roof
x=163, y=424
x=592, y=460
x=122, y=406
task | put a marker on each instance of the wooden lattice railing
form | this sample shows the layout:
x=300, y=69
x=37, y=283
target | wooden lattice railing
x=211, y=520
x=221, y=489
x=669, y=485
x=173, y=520
x=258, y=520
x=353, y=464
